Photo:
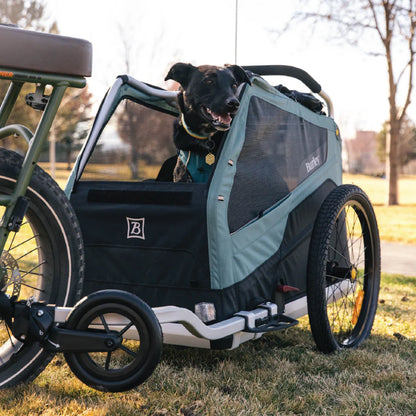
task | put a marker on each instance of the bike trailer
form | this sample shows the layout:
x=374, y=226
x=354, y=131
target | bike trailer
x=270, y=236
x=227, y=244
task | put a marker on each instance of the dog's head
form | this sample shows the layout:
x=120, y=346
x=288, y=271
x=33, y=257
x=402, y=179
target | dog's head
x=210, y=92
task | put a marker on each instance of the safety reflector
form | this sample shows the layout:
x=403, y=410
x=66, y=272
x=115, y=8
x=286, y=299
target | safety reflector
x=357, y=307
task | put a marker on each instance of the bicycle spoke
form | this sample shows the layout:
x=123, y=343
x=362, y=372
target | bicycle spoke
x=24, y=271
x=340, y=254
x=30, y=271
x=33, y=287
x=21, y=243
x=27, y=253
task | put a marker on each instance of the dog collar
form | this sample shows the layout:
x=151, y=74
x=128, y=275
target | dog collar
x=190, y=132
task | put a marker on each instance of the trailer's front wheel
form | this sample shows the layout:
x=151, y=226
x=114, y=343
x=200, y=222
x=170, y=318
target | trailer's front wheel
x=128, y=317
x=343, y=270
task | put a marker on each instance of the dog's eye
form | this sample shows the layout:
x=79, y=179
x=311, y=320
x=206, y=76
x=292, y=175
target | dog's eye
x=234, y=86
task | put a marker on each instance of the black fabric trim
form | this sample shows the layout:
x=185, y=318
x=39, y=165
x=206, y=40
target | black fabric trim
x=140, y=197
x=124, y=78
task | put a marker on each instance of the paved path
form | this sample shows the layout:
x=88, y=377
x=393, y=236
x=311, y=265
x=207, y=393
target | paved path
x=398, y=258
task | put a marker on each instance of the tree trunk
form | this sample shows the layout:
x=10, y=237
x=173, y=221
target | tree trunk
x=134, y=164
x=393, y=128
x=392, y=162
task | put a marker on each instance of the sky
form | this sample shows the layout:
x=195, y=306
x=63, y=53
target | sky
x=144, y=38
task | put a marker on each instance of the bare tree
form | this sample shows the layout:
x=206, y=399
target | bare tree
x=31, y=14
x=147, y=132
x=26, y=14
x=392, y=23
x=407, y=144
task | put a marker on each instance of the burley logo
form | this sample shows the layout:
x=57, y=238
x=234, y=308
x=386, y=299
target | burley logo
x=313, y=163
x=135, y=228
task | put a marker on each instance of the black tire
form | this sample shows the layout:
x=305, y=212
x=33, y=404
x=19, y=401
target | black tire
x=44, y=259
x=344, y=258
x=125, y=367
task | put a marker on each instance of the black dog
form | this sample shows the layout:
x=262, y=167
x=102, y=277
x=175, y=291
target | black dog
x=207, y=102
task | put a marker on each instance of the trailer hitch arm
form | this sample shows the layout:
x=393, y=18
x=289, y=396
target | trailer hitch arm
x=69, y=340
x=35, y=322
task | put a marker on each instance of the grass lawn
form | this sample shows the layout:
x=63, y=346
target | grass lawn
x=396, y=223
x=279, y=374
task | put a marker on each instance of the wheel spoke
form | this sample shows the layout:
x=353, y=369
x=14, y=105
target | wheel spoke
x=126, y=328
x=104, y=322
x=128, y=350
x=33, y=287
x=341, y=255
x=26, y=272
x=27, y=253
x=34, y=268
x=21, y=243
x=107, y=361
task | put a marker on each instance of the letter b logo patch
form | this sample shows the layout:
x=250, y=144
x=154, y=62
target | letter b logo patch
x=135, y=228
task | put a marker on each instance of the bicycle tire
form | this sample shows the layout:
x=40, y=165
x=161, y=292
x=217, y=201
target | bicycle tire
x=344, y=260
x=46, y=255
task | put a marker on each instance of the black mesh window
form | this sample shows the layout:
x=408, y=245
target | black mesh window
x=279, y=152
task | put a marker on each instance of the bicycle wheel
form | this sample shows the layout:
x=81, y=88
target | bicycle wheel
x=43, y=260
x=343, y=270
x=134, y=323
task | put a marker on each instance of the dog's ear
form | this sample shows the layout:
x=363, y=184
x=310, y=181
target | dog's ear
x=181, y=73
x=239, y=73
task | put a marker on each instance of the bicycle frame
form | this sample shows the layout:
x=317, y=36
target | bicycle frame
x=15, y=203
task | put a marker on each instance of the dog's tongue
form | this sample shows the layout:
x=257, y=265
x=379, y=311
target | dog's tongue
x=222, y=118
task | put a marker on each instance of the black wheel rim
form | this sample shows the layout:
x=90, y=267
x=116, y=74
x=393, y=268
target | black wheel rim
x=125, y=361
x=350, y=270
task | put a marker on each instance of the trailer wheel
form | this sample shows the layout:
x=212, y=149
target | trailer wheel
x=126, y=315
x=343, y=270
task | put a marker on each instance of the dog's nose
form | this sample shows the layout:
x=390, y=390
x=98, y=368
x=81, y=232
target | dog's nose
x=232, y=104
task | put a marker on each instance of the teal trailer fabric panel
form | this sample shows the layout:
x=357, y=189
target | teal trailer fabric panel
x=234, y=255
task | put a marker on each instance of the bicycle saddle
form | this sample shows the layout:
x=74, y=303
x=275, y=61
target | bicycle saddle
x=22, y=49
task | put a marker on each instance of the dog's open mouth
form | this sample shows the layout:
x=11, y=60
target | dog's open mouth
x=219, y=121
